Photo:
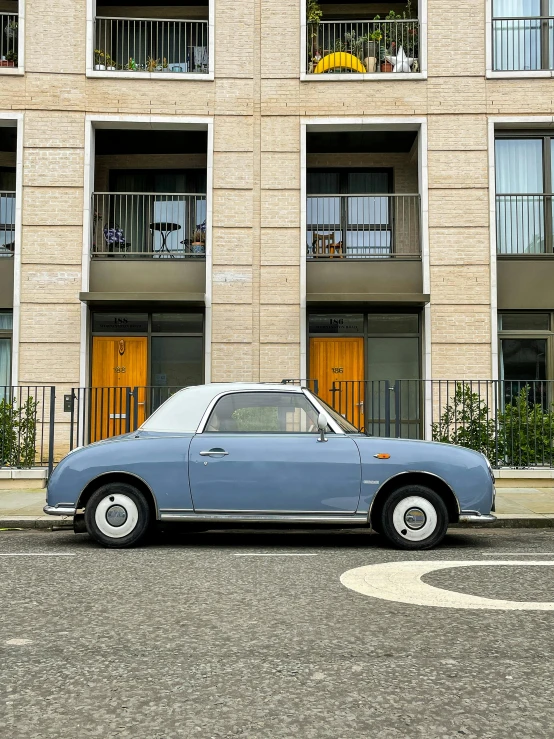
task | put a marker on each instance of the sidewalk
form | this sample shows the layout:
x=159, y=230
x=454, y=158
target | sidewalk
x=515, y=508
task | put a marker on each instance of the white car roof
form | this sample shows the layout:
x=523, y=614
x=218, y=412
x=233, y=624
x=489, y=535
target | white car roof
x=182, y=412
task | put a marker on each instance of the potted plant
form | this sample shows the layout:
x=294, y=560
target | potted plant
x=11, y=30
x=152, y=65
x=103, y=61
x=198, y=245
x=10, y=59
x=313, y=19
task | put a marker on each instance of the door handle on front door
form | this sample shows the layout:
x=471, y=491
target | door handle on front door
x=214, y=453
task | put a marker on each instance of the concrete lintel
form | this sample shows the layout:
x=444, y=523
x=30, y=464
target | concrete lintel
x=403, y=298
x=121, y=297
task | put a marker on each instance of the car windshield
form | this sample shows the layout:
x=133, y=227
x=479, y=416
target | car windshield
x=345, y=425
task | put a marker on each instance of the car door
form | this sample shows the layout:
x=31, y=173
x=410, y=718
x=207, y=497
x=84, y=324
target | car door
x=260, y=452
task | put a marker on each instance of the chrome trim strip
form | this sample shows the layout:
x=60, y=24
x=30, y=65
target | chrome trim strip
x=122, y=472
x=271, y=512
x=51, y=510
x=264, y=518
x=476, y=517
x=410, y=472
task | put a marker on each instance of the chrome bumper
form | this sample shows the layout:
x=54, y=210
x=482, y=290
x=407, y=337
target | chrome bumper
x=59, y=510
x=476, y=517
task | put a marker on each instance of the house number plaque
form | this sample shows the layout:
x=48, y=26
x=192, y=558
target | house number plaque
x=120, y=369
x=337, y=370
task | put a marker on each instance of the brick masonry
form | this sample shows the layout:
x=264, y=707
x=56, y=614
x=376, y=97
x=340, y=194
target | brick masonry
x=257, y=101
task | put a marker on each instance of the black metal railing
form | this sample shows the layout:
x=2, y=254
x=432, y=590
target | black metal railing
x=151, y=225
x=523, y=44
x=151, y=45
x=524, y=224
x=7, y=223
x=510, y=421
x=97, y=413
x=363, y=226
x=27, y=426
x=363, y=46
x=9, y=32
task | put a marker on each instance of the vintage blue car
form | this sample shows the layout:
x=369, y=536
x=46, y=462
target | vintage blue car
x=222, y=454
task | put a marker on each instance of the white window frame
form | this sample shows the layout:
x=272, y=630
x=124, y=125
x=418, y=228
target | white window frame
x=357, y=76
x=20, y=69
x=122, y=74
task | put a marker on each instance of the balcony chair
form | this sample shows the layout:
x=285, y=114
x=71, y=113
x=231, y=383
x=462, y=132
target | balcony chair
x=323, y=245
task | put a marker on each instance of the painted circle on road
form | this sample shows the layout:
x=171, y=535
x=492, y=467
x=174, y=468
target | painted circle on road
x=401, y=582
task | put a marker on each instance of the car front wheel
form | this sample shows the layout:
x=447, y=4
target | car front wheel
x=414, y=517
x=117, y=515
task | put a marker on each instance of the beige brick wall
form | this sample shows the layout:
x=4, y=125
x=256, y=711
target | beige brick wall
x=257, y=101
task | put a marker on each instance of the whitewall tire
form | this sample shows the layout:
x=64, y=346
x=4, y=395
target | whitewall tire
x=414, y=517
x=117, y=515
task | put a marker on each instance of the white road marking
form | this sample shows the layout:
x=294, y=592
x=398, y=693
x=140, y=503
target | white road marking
x=35, y=554
x=519, y=554
x=275, y=555
x=18, y=642
x=401, y=582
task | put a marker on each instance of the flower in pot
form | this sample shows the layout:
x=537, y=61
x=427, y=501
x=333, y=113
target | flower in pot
x=152, y=65
x=131, y=65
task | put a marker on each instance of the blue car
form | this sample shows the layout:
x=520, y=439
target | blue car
x=222, y=454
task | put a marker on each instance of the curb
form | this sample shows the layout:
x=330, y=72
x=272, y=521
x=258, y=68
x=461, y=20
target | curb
x=36, y=522
x=503, y=521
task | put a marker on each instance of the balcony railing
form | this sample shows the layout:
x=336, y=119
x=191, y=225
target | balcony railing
x=7, y=224
x=524, y=224
x=366, y=46
x=154, y=225
x=523, y=44
x=363, y=226
x=9, y=28
x=147, y=45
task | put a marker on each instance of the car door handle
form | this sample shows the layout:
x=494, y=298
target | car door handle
x=214, y=453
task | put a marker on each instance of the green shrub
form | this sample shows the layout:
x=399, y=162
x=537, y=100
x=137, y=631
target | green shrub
x=526, y=432
x=18, y=433
x=466, y=421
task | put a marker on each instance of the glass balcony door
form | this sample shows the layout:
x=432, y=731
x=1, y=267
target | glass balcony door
x=524, y=169
x=343, y=217
x=523, y=35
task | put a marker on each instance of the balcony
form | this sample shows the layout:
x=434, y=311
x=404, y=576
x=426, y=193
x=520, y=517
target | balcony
x=368, y=45
x=9, y=23
x=363, y=226
x=148, y=225
x=523, y=44
x=525, y=250
x=153, y=46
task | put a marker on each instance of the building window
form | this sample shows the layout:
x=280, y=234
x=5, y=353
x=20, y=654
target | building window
x=523, y=35
x=6, y=326
x=524, y=166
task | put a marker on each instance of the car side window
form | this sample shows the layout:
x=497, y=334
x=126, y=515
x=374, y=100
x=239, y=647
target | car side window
x=269, y=413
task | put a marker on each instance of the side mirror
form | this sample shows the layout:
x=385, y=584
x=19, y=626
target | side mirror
x=322, y=425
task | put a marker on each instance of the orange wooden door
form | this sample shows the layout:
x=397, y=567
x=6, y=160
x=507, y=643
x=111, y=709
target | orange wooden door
x=340, y=361
x=117, y=363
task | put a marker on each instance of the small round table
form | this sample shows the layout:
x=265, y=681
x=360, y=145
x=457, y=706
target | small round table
x=165, y=229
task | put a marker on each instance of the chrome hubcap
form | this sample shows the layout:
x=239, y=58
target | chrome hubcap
x=415, y=518
x=116, y=515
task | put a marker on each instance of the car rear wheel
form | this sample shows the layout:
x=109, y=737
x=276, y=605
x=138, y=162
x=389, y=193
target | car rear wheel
x=117, y=515
x=414, y=517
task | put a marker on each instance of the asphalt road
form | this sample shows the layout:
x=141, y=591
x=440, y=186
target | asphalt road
x=190, y=638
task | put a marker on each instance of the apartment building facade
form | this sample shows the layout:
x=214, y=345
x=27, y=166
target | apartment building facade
x=252, y=190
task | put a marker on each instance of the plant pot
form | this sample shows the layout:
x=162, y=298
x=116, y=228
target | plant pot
x=386, y=67
x=100, y=67
x=111, y=69
x=4, y=63
x=370, y=64
x=197, y=247
x=370, y=49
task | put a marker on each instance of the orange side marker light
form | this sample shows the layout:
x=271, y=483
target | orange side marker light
x=382, y=456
